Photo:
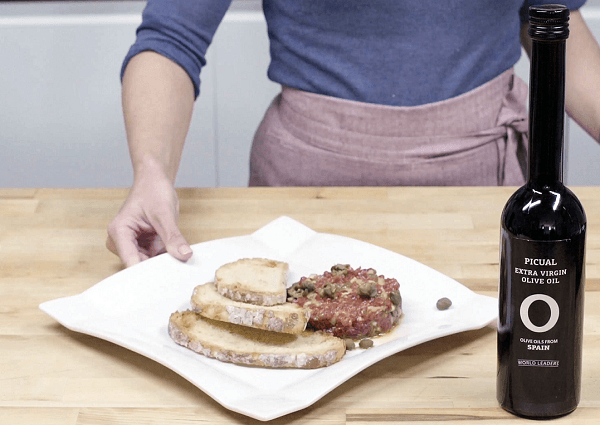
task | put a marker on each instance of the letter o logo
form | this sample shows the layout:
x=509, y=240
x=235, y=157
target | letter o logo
x=554, y=311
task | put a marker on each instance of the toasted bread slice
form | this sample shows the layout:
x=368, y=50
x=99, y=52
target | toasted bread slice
x=254, y=347
x=253, y=280
x=287, y=318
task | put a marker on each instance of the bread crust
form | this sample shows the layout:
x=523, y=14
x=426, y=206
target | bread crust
x=308, y=350
x=287, y=318
x=252, y=298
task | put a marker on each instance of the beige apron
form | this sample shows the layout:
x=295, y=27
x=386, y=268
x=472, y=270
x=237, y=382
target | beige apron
x=475, y=139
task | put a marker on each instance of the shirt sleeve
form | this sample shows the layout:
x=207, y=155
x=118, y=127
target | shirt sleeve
x=524, y=12
x=180, y=30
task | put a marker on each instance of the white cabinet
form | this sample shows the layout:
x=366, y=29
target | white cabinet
x=61, y=123
x=60, y=118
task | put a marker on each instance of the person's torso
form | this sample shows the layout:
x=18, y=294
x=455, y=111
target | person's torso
x=402, y=53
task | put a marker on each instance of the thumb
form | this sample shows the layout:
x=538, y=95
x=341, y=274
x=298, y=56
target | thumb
x=175, y=243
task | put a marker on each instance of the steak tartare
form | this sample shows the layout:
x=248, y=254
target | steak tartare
x=349, y=303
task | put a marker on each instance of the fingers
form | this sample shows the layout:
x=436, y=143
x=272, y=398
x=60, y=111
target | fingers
x=175, y=244
x=150, y=244
x=146, y=225
x=124, y=246
x=133, y=246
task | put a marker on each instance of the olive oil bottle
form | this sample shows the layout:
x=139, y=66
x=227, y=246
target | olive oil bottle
x=542, y=253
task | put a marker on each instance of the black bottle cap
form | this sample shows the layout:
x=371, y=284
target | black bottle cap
x=549, y=22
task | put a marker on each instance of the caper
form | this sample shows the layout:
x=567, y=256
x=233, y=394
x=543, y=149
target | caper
x=306, y=282
x=365, y=343
x=340, y=269
x=443, y=303
x=367, y=290
x=395, y=297
x=310, y=286
x=329, y=291
x=349, y=344
x=294, y=292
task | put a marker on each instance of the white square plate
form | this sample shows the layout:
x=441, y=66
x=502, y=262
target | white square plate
x=132, y=309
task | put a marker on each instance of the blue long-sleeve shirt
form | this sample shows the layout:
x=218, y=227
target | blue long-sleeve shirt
x=390, y=52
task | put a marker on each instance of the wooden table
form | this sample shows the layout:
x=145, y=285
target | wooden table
x=52, y=245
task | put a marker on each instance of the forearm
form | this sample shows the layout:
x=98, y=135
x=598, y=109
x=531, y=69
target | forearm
x=158, y=100
x=582, y=98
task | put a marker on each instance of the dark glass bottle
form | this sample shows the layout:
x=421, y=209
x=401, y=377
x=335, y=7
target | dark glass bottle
x=542, y=257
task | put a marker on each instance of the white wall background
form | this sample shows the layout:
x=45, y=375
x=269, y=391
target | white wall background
x=60, y=110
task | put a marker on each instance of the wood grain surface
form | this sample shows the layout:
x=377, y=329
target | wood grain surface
x=52, y=244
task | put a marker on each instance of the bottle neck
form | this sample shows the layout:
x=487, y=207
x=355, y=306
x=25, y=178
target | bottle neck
x=546, y=112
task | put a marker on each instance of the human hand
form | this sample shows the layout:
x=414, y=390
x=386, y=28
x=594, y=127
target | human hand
x=146, y=224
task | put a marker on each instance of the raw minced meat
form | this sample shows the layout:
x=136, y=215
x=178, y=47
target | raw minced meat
x=349, y=303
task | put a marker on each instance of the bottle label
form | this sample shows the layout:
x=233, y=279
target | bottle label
x=540, y=324
x=543, y=282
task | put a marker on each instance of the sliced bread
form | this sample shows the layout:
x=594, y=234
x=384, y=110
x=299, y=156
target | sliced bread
x=256, y=281
x=254, y=347
x=287, y=318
